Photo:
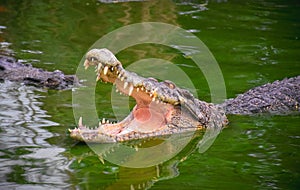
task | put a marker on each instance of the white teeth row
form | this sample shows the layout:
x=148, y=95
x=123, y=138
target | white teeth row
x=157, y=101
x=105, y=70
x=140, y=186
x=120, y=75
x=131, y=88
x=125, y=85
x=103, y=121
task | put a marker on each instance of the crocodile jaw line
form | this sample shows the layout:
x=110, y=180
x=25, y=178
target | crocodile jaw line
x=149, y=115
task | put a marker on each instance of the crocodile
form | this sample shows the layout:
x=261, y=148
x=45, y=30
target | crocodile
x=164, y=109
x=13, y=70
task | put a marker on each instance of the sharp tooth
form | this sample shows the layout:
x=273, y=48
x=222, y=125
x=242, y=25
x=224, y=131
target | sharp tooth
x=137, y=89
x=130, y=90
x=119, y=75
x=105, y=70
x=112, y=69
x=80, y=121
x=117, y=72
x=99, y=67
x=98, y=77
x=101, y=159
x=154, y=92
x=153, y=99
x=142, y=89
x=151, y=94
x=131, y=187
x=122, y=78
x=86, y=64
x=125, y=85
x=103, y=120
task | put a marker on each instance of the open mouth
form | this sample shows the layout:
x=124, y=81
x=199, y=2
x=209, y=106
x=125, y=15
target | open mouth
x=153, y=110
x=149, y=114
x=161, y=107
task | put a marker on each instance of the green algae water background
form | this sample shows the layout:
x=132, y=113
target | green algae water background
x=254, y=42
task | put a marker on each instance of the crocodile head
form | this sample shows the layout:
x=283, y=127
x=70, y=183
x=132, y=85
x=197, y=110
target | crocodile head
x=161, y=107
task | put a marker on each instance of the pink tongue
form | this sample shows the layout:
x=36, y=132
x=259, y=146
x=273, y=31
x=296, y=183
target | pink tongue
x=142, y=114
x=147, y=119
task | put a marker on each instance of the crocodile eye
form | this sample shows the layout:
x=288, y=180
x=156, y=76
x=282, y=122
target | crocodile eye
x=170, y=84
x=93, y=59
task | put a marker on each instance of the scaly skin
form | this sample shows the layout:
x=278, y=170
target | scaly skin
x=162, y=108
x=13, y=70
x=279, y=97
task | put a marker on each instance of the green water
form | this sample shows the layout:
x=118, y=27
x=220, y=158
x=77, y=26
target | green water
x=254, y=42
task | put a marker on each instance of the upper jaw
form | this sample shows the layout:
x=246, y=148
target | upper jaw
x=109, y=69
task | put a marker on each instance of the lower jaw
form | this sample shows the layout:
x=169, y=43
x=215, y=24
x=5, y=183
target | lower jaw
x=142, y=120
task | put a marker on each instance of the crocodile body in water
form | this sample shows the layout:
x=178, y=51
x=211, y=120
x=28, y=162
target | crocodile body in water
x=164, y=109
x=13, y=70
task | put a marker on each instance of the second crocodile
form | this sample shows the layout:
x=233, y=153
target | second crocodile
x=13, y=70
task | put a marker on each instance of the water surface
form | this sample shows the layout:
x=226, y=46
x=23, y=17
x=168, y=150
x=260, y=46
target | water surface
x=254, y=42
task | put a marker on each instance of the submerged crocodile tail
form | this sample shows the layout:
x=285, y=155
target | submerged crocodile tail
x=279, y=97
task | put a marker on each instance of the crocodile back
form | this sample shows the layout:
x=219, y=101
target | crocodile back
x=279, y=97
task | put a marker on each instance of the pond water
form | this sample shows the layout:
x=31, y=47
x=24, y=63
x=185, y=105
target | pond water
x=254, y=42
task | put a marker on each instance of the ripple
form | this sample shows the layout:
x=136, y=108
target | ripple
x=31, y=51
x=26, y=156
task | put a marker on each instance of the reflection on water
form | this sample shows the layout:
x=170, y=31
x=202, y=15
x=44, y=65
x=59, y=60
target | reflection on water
x=90, y=166
x=26, y=156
